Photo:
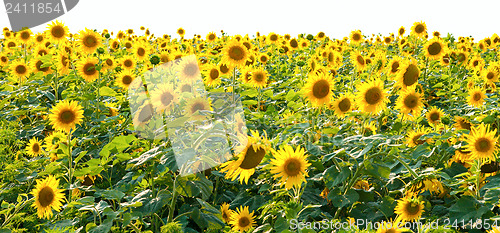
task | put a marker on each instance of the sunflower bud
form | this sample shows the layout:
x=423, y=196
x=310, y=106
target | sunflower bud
x=100, y=50
x=155, y=59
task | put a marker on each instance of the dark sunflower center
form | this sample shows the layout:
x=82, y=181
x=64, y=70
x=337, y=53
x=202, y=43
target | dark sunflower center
x=294, y=43
x=345, y=105
x=475, y=63
x=477, y=96
x=166, y=98
x=321, y=89
x=141, y=52
x=211, y=37
x=90, y=41
x=387, y=40
x=416, y=139
x=395, y=67
x=331, y=58
x=20, y=69
x=373, y=96
x=419, y=28
x=89, y=69
x=243, y=222
x=224, y=69
x=36, y=147
x=263, y=59
x=11, y=44
x=465, y=125
x=197, y=106
x=57, y=32
x=412, y=208
x=482, y=145
x=46, y=196
x=39, y=66
x=434, y=48
x=434, y=116
x=109, y=62
x=67, y=116
x=64, y=61
x=411, y=101
x=25, y=35
x=190, y=70
x=356, y=37
x=411, y=75
x=146, y=113
x=292, y=167
x=490, y=75
x=360, y=60
x=252, y=157
x=224, y=215
x=214, y=74
x=236, y=53
x=127, y=63
x=127, y=79
x=273, y=37
x=401, y=31
x=258, y=77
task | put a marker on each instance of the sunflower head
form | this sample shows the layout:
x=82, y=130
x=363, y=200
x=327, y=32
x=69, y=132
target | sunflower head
x=259, y=78
x=476, y=97
x=356, y=37
x=57, y=31
x=290, y=166
x=482, y=143
x=34, y=147
x=435, y=48
x=410, y=103
x=226, y=212
x=242, y=220
x=372, y=97
x=47, y=197
x=408, y=74
x=235, y=53
x=89, y=41
x=318, y=88
x=87, y=68
x=419, y=29
x=409, y=208
x=66, y=115
x=343, y=105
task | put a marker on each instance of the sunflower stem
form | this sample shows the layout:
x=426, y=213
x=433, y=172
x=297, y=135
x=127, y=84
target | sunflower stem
x=172, y=203
x=406, y=166
x=70, y=167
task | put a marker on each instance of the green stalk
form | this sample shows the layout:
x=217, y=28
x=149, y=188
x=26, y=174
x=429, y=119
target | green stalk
x=70, y=167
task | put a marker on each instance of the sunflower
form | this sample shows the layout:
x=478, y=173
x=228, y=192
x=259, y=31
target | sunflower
x=494, y=230
x=108, y=62
x=242, y=220
x=482, y=143
x=65, y=115
x=358, y=60
x=25, y=36
x=194, y=107
x=226, y=212
x=409, y=208
x=248, y=158
x=401, y=31
x=37, y=64
x=4, y=60
x=393, y=65
x=490, y=75
x=476, y=63
x=143, y=114
x=413, y=138
x=141, y=51
x=372, y=97
x=164, y=97
x=212, y=76
x=128, y=62
x=318, y=89
x=273, y=38
x=356, y=37
x=419, y=29
x=462, y=123
x=47, y=197
x=188, y=69
x=124, y=79
x=34, y=147
x=391, y=227
x=343, y=105
x=211, y=37
x=181, y=32
x=433, y=185
x=89, y=41
x=235, y=53
x=19, y=68
x=87, y=68
x=410, y=102
x=408, y=74
x=476, y=97
x=63, y=63
x=259, y=78
x=57, y=31
x=435, y=48
x=263, y=58
x=434, y=116
x=52, y=143
x=290, y=166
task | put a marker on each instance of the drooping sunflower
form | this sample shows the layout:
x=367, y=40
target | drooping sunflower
x=47, y=197
x=419, y=29
x=408, y=74
x=371, y=96
x=476, y=97
x=89, y=41
x=434, y=116
x=52, y=143
x=226, y=212
x=57, y=31
x=87, y=68
x=482, y=143
x=259, y=78
x=248, y=158
x=358, y=60
x=393, y=65
x=19, y=68
x=242, y=220
x=356, y=37
x=65, y=115
x=235, y=53
x=194, y=107
x=164, y=97
x=212, y=76
x=63, y=63
x=125, y=78
x=410, y=103
x=34, y=147
x=318, y=89
x=188, y=69
x=342, y=105
x=413, y=137
x=462, y=123
x=290, y=166
x=409, y=208
x=435, y=48
x=143, y=114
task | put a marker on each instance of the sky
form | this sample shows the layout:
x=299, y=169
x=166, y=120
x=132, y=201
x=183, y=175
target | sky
x=336, y=18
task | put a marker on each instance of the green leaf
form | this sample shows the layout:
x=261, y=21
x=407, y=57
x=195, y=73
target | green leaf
x=106, y=91
x=340, y=201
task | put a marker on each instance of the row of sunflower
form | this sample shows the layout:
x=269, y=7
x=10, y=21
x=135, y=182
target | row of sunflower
x=398, y=128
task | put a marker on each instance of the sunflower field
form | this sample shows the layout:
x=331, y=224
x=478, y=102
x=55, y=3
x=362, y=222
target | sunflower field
x=366, y=133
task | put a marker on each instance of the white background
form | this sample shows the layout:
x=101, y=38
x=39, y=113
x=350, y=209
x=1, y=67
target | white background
x=336, y=18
